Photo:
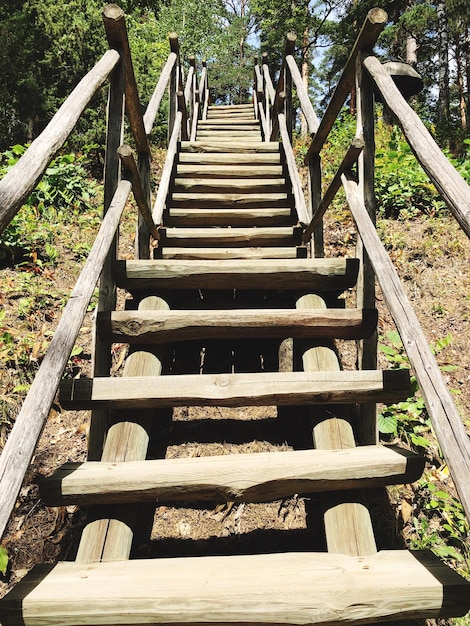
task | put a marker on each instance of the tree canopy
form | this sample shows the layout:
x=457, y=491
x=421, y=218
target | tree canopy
x=48, y=46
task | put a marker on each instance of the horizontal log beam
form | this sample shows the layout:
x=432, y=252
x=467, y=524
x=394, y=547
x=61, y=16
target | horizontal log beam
x=262, y=389
x=257, y=477
x=162, y=327
x=290, y=588
x=312, y=274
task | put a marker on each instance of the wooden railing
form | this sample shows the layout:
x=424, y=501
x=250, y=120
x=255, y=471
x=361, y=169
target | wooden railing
x=19, y=182
x=365, y=72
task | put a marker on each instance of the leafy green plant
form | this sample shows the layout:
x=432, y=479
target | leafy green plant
x=3, y=560
x=409, y=419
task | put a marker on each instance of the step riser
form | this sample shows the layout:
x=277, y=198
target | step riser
x=233, y=253
x=229, y=171
x=210, y=186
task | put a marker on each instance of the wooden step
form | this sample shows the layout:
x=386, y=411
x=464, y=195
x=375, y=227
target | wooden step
x=310, y=274
x=260, y=477
x=244, y=237
x=185, y=253
x=219, y=200
x=168, y=326
x=230, y=186
x=261, y=389
x=230, y=158
x=230, y=146
x=222, y=122
x=294, y=588
x=267, y=216
x=254, y=138
x=189, y=170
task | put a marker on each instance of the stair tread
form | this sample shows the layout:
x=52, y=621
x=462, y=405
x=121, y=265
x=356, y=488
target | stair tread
x=230, y=158
x=265, y=252
x=181, y=325
x=234, y=217
x=332, y=274
x=228, y=171
x=260, y=477
x=261, y=389
x=230, y=145
x=286, y=588
x=215, y=185
x=235, y=236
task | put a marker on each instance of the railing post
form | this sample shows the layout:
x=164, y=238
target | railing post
x=267, y=111
x=367, y=348
x=101, y=365
x=174, y=46
x=289, y=50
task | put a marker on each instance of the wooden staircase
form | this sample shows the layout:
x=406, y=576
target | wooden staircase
x=231, y=277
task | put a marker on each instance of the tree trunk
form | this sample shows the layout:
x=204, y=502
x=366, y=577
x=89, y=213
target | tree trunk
x=460, y=83
x=443, y=75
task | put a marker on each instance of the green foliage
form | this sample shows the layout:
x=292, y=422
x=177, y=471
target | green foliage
x=3, y=560
x=65, y=190
x=408, y=420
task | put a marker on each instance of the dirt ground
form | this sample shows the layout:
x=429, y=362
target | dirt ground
x=433, y=259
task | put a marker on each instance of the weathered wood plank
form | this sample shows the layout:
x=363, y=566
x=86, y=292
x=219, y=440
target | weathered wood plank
x=160, y=89
x=235, y=253
x=161, y=327
x=262, y=389
x=165, y=179
x=237, y=217
x=229, y=158
x=228, y=171
x=262, y=236
x=214, y=200
x=313, y=274
x=229, y=185
x=297, y=191
x=289, y=588
x=257, y=477
x=230, y=146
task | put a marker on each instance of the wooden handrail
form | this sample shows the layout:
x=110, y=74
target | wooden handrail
x=115, y=25
x=20, y=445
x=23, y=177
x=451, y=186
x=305, y=104
x=446, y=421
x=155, y=100
x=299, y=198
x=371, y=29
x=164, y=185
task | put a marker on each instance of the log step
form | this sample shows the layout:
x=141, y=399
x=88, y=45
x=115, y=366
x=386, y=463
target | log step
x=184, y=170
x=229, y=158
x=230, y=146
x=310, y=274
x=234, y=253
x=260, y=477
x=244, y=237
x=222, y=122
x=288, y=588
x=177, y=325
x=261, y=389
x=267, y=216
x=219, y=200
x=230, y=186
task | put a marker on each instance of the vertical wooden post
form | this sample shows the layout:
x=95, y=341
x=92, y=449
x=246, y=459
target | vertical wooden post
x=367, y=348
x=314, y=176
x=174, y=46
x=107, y=287
x=289, y=50
x=267, y=112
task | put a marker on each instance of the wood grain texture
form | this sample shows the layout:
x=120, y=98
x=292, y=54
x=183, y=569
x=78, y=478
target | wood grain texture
x=262, y=389
x=312, y=274
x=257, y=477
x=161, y=327
x=290, y=588
x=243, y=237
x=234, y=253
x=238, y=217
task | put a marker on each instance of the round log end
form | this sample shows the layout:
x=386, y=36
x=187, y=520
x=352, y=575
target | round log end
x=124, y=151
x=377, y=16
x=113, y=12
